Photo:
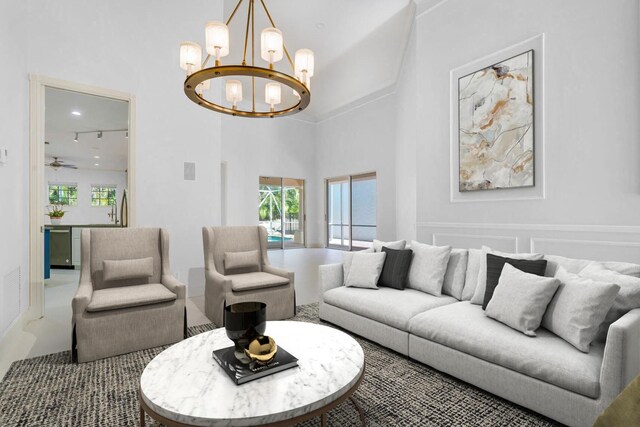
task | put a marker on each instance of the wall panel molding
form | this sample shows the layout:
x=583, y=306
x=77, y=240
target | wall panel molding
x=502, y=243
x=634, y=229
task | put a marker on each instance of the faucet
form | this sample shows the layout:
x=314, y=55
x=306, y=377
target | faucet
x=113, y=215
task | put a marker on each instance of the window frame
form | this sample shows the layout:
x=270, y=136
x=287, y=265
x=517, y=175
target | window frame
x=67, y=189
x=99, y=188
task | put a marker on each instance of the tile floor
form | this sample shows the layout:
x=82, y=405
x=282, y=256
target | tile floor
x=52, y=333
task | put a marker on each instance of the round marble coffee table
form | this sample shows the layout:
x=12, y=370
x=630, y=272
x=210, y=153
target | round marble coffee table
x=183, y=385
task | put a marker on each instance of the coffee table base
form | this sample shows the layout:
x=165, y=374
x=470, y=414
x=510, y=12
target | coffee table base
x=321, y=412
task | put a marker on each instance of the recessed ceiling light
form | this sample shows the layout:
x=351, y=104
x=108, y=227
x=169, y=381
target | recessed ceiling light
x=76, y=113
x=96, y=157
x=96, y=164
x=320, y=25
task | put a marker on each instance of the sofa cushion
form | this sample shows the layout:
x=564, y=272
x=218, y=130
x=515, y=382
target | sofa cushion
x=575, y=266
x=365, y=270
x=129, y=296
x=471, y=275
x=547, y=357
x=386, y=305
x=456, y=271
x=578, y=308
x=255, y=280
x=127, y=269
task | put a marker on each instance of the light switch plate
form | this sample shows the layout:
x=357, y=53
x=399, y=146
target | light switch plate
x=4, y=153
x=189, y=171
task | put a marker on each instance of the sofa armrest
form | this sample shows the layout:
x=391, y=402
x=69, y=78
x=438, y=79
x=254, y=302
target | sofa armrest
x=174, y=285
x=278, y=272
x=82, y=298
x=621, y=363
x=331, y=276
x=216, y=279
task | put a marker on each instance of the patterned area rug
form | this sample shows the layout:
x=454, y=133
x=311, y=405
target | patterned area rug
x=52, y=391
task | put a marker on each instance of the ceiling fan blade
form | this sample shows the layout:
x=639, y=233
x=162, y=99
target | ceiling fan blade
x=69, y=166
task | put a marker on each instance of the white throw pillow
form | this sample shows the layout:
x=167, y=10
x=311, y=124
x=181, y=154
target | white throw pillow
x=456, y=270
x=398, y=245
x=428, y=267
x=347, y=259
x=478, y=294
x=574, y=265
x=578, y=308
x=471, y=276
x=627, y=299
x=365, y=270
x=520, y=299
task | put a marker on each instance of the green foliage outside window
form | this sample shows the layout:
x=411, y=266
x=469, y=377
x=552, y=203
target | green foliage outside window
x=103, y=196
x=270, y=202
x=66, y=195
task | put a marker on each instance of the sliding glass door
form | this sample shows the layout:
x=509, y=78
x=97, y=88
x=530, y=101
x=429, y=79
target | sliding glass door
x=281, y=211
x=351, y=211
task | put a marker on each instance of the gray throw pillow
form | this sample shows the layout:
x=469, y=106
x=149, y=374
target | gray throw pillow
x=627, y=299
x=428, y=267
x=347, y=259
x=398, y=245
x=456, y=271
x=520, y=299
x=365, y=270
x=578, y=308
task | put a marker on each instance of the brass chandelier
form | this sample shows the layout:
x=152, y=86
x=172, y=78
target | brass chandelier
x=272, y=50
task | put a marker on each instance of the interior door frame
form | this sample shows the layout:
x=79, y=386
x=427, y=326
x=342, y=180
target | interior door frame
x=37, y=86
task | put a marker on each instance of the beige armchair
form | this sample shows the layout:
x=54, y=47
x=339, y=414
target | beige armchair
x=237, y=269
x=127, y=299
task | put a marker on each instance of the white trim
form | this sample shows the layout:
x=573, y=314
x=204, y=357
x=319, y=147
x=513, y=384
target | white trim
x=534, y=227
x=623, y=244
x=37, y=85
x=429, y=8
x=510, y=239
x=537, y=192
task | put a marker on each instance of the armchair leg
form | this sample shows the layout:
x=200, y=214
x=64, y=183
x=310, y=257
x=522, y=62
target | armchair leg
x=74, y=343
x=185, y=323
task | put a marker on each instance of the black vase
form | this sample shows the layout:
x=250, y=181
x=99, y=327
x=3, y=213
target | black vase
x=244, y=322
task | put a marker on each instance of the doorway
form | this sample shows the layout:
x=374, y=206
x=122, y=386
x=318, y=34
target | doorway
x=351, y=211
x=81, y=156
x=281, y=211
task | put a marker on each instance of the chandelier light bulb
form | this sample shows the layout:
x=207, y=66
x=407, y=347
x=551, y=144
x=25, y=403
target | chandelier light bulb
x=233, y=89
x=217, y=40
x=190, y=57
x=304, y=65
x=272, y=94
x=271, y=46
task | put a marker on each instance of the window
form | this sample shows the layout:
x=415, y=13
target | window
x=63, y=194
x=103, y=195
x=281, y=211
x=351, y=211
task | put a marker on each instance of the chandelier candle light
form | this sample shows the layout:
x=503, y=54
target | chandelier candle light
x=272, y=50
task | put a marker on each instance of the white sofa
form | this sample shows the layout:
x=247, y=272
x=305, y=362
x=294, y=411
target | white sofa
x=545, y=374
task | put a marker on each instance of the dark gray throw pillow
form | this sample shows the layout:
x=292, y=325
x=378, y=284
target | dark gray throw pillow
x=396, y=268
x=495, y=264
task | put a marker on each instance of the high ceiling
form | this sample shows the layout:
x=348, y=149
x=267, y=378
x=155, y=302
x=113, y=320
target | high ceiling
x=96, y=114
x=358, y=46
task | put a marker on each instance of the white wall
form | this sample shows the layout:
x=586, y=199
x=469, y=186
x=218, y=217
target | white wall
x=591, y=109
x=125, y=46
x=361, y=140
x=14, y=235
x=84, y=213
x=281, y=147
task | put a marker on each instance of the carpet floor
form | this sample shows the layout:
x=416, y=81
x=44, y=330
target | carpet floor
x=52, y=391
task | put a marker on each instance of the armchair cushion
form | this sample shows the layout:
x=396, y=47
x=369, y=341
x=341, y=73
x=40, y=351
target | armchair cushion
x=129, y=296
x=256, y=280
x=127, y=269
x=233, y=260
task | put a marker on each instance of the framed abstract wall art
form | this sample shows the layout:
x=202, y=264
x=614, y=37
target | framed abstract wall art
x=496, y=125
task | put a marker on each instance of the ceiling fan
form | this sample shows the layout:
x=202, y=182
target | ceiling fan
x=56, y=164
